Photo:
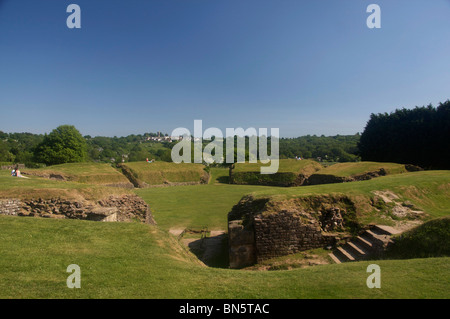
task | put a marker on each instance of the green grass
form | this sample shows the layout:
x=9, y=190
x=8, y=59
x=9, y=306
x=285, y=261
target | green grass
x=285, y=166
x=427, y=190
x=431, y=239
x=194, y=206
x=128, y=260
x=131, y=260
x=39, y=187
x=219, y=175
x=358, y=168
x=208, y=205
x=158, y=173
x=287, y=174
x=90, y=173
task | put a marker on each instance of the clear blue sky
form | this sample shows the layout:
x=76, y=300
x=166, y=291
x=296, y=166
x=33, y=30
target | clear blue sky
x=135, y=66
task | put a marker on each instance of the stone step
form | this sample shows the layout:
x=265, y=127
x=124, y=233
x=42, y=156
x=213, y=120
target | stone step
x=376, y=239
x=363, y=242
x=356, y=249
x=340, y=256
x=334, y=258
x=386, y=230
x=346, y=253
x=371, y=242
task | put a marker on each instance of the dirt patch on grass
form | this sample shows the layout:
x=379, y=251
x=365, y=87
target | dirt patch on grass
x=397, y=207
x=300, y=260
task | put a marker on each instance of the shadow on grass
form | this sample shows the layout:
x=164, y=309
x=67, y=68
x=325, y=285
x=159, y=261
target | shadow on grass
x=223, y=179
x=212, y=251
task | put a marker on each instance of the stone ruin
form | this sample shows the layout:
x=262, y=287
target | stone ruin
x=259, y=229
x=124, y=208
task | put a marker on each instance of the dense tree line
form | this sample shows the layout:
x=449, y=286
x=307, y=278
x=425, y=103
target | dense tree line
x=419, y=136
x=65, y=144
x=339, y=148
x=18, y=147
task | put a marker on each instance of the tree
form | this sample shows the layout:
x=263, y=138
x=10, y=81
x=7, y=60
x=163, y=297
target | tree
x=5, y=154
x=419, y=136
x=64, y=144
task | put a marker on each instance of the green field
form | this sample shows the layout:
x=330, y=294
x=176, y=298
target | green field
x=195, y=206
x=90, y=173
x=40, y=187
x=131, y=260
x=158, y=173
x=208, y=205
x=128, y=260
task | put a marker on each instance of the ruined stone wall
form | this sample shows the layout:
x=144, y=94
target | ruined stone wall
x=10, y=207
x=260, y=229
x=242, y=248
x=272, y=235
x=286, y=233
x=121, y=208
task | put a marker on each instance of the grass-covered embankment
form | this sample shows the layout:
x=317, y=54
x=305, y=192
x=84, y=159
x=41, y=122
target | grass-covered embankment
x=159, y=173
x=35, y=187
x=290, y=172
x=208, y=205
x=360, y=168
x=89, y=173
x=130, y=260
x=431, y=239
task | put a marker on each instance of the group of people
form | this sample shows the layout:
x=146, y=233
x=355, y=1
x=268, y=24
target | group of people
x=151, y=161
x=16, y=172
x=298, y=158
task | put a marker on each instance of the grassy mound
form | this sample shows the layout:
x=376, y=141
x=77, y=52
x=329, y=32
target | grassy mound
x=360, y=168
x=39, y=187
x=428, y=191
x=89, y=173
x=291, y=172
x=208, y=205
x=356, y=171
x=431, y=239
x=158, y=173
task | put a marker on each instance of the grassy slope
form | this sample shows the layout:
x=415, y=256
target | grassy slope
x=160, y=172
x=208, y=205
x=92, y=173
x=285, y=166
x=127, y=260
x=194, y=206
x=431, y=239
x=287, y=174
x=35, y=187
x=351, y=169
x=428, y=190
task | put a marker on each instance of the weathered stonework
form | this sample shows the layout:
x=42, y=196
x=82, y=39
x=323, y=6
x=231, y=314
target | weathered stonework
x=242, y=245
x=260, y=229
x=10, y=207
x=287, y=233
x=124, y=209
